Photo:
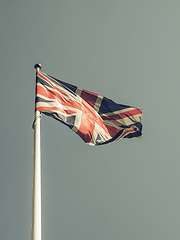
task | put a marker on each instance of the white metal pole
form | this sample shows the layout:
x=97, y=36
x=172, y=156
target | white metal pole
x=36, y=188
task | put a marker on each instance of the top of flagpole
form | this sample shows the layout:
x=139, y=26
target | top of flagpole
x=37, y=66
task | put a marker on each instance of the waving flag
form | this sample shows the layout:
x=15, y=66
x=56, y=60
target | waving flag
x=96, y=119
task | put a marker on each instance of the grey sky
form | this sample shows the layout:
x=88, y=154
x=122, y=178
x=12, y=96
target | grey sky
x=125, y=50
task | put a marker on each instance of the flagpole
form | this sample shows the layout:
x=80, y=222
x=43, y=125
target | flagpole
x=36, y=188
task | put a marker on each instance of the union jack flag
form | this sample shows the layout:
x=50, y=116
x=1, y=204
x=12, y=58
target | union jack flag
x=96, y=119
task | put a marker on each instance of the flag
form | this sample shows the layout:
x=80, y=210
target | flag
x=96, y=119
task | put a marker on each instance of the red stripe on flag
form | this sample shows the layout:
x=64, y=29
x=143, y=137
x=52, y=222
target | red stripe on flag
x=55, y=109
x=45, y=78
x=89, y=97
x=88, y=120
x=122, y=115
x=129, y=131
x=48, y=93
x=57, y=96
x=112, y=130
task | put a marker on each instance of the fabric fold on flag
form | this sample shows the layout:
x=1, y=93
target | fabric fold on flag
x=96, y=119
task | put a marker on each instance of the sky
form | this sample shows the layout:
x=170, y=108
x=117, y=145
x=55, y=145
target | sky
x=125, y=50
